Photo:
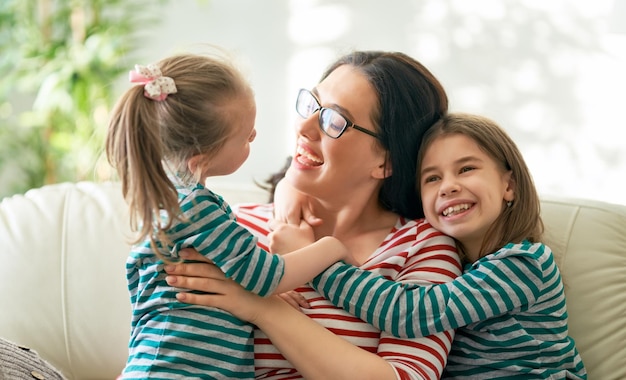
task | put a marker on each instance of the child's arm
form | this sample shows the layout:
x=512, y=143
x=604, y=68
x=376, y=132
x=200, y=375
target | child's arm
x=302, y=265
x=292, y=236
x=212, y=230
x=291, y=206
x=304, y=258
x=410, y=310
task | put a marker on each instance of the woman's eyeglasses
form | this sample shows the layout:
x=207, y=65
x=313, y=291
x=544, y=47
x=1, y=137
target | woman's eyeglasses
x=332, y=123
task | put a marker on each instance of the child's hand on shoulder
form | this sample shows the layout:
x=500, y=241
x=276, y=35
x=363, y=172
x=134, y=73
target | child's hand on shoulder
x=291, y=206
x=285, y=237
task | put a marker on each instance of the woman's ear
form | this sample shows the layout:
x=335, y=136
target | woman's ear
x=383, y=170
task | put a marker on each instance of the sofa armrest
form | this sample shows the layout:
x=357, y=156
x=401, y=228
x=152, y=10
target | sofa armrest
x=64, y=290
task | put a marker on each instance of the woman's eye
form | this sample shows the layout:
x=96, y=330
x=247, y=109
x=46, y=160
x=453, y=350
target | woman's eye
x=336, y=127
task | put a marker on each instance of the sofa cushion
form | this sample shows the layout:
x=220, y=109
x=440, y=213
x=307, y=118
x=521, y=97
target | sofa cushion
x=588, y=239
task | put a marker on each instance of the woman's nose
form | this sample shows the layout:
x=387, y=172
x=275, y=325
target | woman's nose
x=308, y=127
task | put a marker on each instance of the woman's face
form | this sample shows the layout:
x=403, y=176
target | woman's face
x=334, y=169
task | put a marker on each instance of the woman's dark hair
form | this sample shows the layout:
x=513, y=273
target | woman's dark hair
x=410, y=100
x=271, y=182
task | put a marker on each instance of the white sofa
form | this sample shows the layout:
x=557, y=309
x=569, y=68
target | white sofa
x=64, y=290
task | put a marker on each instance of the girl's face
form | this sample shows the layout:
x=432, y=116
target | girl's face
x=236, y=148
x=335, y=169
x=463, y=190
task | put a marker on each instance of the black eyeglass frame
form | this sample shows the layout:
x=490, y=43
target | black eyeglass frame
x=349, y=123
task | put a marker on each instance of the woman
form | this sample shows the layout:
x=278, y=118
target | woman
x=357, y=141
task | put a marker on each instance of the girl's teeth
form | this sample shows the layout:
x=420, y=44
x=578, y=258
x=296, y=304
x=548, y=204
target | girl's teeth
x=456, y=209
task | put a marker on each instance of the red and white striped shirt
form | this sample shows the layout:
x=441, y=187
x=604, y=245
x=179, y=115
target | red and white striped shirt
x=413, y=252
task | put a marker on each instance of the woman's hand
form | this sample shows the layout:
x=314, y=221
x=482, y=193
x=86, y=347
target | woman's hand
x=219, y=291
x=296, y=336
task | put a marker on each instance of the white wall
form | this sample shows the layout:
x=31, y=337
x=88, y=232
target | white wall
x=551, y=72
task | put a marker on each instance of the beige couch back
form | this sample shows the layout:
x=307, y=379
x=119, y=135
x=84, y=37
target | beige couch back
x=64, y=291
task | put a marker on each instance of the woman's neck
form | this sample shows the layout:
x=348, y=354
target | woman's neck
x=360, y=225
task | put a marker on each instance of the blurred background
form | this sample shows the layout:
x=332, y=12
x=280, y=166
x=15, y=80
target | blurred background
x=552, y=73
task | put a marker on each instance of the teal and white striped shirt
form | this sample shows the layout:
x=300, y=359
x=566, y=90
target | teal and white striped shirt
x=508, y=307
x=172, y=340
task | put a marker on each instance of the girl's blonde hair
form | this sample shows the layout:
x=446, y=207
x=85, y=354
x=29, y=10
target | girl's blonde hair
x=147, y=138
x=522, y=219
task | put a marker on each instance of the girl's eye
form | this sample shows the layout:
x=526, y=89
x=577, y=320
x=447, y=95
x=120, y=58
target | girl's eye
x=466, y=169
x=431, y=178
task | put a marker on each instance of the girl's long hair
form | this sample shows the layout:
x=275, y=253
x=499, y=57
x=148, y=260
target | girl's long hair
x=149, y=140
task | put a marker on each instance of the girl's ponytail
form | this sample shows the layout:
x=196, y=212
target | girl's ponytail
x=135, y=150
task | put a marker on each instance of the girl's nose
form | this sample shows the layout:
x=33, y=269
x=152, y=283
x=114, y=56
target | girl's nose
x=448, y=187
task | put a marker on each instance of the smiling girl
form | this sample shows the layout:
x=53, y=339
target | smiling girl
x=509, y=305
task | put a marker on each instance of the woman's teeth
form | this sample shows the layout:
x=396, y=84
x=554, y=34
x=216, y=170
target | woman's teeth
x=309, y=159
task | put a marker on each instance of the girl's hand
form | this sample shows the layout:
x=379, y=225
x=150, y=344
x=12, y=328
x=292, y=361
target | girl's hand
x=218, y=291
x=291, y=206
x=285, y=237
x=295, y=299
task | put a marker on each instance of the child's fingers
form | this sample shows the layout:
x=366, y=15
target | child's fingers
x=291, y=216
x=275, y=224
x=307, y=214
x=295, y=299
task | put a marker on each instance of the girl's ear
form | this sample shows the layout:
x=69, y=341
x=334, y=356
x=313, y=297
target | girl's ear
x=195, y=165
x=509, y=190
x=192, y=164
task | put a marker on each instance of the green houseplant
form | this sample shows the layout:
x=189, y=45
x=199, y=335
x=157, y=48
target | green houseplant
x=59, y=61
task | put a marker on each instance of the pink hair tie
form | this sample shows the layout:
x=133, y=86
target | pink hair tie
x=156, y=86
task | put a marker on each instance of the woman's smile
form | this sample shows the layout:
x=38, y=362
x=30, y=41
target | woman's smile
x=307, y=158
